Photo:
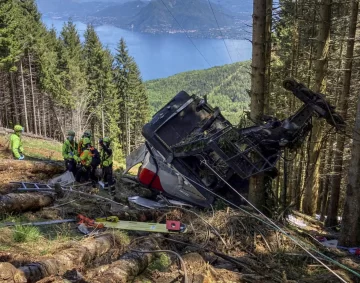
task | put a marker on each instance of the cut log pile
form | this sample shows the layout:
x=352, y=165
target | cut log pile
x=80, y=255
x=11, y=203
x=49, y=168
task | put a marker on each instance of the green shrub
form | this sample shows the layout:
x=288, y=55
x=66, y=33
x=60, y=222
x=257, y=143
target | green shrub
x=162, y=263
x=23, y=234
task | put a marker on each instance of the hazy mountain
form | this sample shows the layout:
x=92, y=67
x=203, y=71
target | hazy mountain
x=122, y=14
x=238, y=6
x=189, y=13
x=70, y=8
x=194, y=16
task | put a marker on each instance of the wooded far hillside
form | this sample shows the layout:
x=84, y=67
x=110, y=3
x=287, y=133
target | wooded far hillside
x=226, y=87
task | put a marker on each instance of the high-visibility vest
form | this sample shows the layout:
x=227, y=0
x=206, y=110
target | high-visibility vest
x=106, y=159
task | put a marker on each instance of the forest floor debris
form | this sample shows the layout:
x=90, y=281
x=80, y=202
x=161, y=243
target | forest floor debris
x=243, y=249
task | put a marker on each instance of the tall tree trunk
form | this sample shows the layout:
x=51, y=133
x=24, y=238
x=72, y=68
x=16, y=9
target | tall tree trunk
x=33, y=96
x=44, y=115
x=268, y=26
x=331, y=220
x=328, y=165
x=322, y=180
x=24, y=96
x=257, y=189
x=14, y=100
x=323, y=39
x=350, y=228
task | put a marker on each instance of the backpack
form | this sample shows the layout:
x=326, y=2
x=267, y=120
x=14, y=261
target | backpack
x=96, y=160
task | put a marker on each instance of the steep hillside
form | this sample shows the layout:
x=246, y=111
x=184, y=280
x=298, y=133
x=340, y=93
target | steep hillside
x=191, y=15
x=123, y=13
x=70, y=8
x=225, y=86
x=236, y=6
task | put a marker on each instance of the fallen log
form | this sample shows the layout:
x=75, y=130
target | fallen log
x=34, y=167
x=126, y=268
x=23, y=202
x=9, y=274
x=81, y=255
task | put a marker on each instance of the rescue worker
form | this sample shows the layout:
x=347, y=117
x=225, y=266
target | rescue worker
x=95, y=162
x=107, y=164
x=83, y=173
x=81, y=147
x=69, y=152
x=16, y=143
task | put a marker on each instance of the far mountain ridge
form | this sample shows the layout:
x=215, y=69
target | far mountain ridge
x=188, y=13
x=157, y=16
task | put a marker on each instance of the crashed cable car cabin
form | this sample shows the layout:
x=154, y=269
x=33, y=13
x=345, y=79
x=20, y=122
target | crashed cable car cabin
x=192, y=153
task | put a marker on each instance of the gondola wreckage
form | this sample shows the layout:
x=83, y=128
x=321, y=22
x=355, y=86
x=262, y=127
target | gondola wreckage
x=193, y=154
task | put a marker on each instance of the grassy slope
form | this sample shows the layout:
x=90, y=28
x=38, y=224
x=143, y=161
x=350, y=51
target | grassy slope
x=34, y=148
x=226, y=87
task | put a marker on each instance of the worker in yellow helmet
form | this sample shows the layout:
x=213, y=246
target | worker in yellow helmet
x=69, y=152
x=85, y=162
x=16, y=143
x=81, y=145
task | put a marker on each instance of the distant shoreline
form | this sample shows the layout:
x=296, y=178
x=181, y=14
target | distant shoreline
x=196, y=34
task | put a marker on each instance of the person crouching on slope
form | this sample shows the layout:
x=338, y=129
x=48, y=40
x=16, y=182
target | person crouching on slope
x=106, y=164
x=16, y=143
x=69, y=152
x=85, y=162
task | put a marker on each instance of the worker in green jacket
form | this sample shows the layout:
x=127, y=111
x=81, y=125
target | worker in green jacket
x=16, y=143
x=83, y=173
x=106, y=155
x=69, y=152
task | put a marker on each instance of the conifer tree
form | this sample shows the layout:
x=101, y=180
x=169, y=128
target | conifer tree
x=71, y=66
x=131, y=94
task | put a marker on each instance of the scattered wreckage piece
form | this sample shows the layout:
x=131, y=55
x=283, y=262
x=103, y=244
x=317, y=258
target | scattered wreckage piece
x=82, y=254
x=65, y=179
x=14, y=203
x=192, y=152
x=144, y=202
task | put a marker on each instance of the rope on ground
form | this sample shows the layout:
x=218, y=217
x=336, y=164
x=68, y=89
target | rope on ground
x=270, y=223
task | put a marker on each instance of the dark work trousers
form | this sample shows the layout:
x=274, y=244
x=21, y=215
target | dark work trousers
x=83, y=174
x=70, y=165
x=108, y=178
x=93, y=177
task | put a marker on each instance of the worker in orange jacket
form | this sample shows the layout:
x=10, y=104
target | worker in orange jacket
x=83, y=173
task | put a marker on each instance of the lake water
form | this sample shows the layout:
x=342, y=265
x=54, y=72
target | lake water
x=160, y=56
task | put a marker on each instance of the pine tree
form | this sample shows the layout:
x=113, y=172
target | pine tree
x=131, y=94
x=71, y=66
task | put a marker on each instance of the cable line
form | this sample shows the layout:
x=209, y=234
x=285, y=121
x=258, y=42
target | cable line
x=186, y=33
x=222, y=36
